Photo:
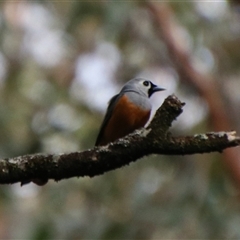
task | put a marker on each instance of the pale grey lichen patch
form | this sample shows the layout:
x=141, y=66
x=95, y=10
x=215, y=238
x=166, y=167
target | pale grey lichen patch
x=104, y=148
x=56, y=157
x=221, y=134
x=201, y=136
x=18, y=161
x=231, y=136
x=146, y=132
x=123, y=142
x=14, y=160
x=5, y=170
x=138, y=131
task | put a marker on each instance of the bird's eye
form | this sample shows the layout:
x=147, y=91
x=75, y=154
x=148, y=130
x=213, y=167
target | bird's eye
x=146, y=83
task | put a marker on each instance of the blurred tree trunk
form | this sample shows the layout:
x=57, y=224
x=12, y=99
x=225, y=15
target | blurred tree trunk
x=207, y=86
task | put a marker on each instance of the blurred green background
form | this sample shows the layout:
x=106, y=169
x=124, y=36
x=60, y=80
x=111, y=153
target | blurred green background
x=60, y=62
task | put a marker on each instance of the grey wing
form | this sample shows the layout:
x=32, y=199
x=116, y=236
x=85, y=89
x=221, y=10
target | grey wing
x=108, y=115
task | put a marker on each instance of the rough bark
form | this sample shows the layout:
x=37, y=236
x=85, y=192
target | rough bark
x=155, y=139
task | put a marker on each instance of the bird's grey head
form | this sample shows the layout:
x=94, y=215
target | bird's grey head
x=141, y=86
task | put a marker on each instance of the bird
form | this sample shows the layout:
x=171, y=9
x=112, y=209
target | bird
x=127, y=111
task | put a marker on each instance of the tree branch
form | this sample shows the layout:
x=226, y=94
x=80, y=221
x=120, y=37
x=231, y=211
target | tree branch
x=166, y=28
x=155, y=139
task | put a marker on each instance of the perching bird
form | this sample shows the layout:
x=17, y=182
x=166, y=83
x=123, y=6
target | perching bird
x=127, y=111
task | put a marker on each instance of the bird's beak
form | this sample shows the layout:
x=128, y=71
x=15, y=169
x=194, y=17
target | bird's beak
x=155, y=88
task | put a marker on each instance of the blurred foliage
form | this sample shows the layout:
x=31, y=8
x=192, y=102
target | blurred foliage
x=60, y=62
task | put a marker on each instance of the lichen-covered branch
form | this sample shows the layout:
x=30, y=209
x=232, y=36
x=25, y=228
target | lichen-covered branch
x=155, y=139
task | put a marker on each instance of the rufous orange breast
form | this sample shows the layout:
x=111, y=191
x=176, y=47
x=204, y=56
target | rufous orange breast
x=126, y=118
